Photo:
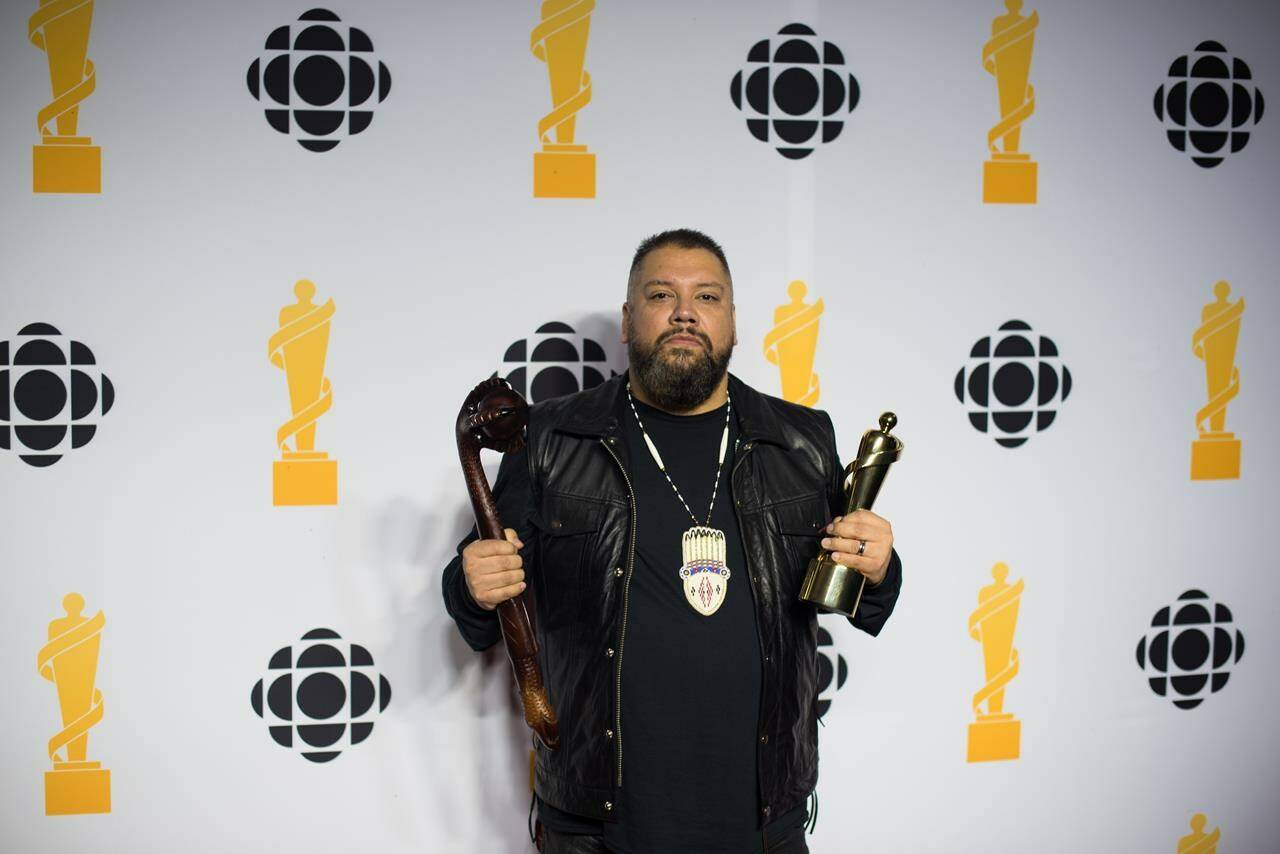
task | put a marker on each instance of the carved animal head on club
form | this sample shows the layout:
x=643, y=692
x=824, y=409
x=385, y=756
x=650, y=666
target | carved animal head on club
x=494, y=416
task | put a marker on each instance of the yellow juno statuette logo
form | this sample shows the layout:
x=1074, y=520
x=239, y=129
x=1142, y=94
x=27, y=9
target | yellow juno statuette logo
x=792, y=344
x=564, y=169
x=1215, y=454
x=64, y=161
x=996, y=734
x=69, y=660
x=299, y=347
x=1010, y=175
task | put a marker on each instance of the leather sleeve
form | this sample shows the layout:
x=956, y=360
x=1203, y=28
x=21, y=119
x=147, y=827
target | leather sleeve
x=877, y=602
x=512, y=490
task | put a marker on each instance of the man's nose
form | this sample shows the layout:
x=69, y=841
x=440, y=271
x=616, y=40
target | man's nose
x=683, y=312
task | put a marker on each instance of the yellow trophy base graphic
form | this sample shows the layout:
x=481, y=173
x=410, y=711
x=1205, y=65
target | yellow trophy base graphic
x=994, y=737
x=77, y=788
x=564, y=172
x=305, y=479
x=1009, y=179
x=1215, y=456
x=70, y=165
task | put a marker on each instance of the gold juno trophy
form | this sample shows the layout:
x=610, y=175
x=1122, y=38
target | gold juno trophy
x=996, y=734
x=564, y=169
x=792, y=343
x=69, y=660
x=64, y=162
x=832, y=586
x=1215, y=455
x=304, y=475
x=1009, y=177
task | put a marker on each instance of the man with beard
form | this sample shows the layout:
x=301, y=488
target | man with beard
x=663, y=522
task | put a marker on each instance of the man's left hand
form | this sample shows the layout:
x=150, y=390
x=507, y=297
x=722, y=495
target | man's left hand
x=865, y=532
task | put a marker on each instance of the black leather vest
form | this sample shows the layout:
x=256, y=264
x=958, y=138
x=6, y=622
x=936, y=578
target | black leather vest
x=785, y=488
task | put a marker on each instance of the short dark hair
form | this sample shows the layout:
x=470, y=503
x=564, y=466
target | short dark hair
x=684, y=238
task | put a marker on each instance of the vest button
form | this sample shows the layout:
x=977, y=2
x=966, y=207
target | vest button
x=608, y=733
x=608, y=806
x=764, y=739
x=617, y=572
x=609, y=652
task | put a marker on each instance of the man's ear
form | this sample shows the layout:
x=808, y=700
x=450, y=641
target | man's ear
x=733, y=319
x=626, y=313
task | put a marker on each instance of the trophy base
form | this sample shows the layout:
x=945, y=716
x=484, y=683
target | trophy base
x=831, y=587
x=1009, y=181
x=63, y=168
x=77, y=788
x=305, y=482
x=1215, y=456
x=994, y=738
x=564, y=174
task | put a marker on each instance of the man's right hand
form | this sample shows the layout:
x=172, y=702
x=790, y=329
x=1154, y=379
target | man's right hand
x=494, y=570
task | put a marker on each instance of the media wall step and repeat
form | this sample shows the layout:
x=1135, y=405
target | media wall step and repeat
x=254, y=255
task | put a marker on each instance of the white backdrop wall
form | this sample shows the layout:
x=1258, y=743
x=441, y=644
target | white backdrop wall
x=424, y=231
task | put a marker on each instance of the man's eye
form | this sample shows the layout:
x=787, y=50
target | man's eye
x=711, y=297
x=658, y=296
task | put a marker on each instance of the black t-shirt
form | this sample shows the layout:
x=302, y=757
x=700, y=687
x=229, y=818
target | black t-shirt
x=690, y=683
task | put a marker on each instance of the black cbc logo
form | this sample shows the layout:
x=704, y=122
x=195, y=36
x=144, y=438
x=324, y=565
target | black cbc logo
x=1014, y=383
x=795, y=91
x=319, y=80
x=1209, y=104
x=1190, y=650
x=833, y=670
x=554, y=361
x=52, y=395
x=320, y=695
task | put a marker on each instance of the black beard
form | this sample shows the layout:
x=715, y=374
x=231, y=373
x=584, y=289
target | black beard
x=680, y=383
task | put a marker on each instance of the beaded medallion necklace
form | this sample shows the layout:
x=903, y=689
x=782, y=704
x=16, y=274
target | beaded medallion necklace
x=704, y=577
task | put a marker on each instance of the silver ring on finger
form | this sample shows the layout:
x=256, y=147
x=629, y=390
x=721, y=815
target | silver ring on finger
x=862, y=548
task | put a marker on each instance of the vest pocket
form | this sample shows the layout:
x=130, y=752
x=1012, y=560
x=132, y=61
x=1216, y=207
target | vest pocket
x=802, y=523
x=567, y=530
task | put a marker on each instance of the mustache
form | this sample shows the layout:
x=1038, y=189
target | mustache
x=702, y=337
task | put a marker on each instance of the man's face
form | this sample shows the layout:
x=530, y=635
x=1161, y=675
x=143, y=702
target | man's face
x=679, y=326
